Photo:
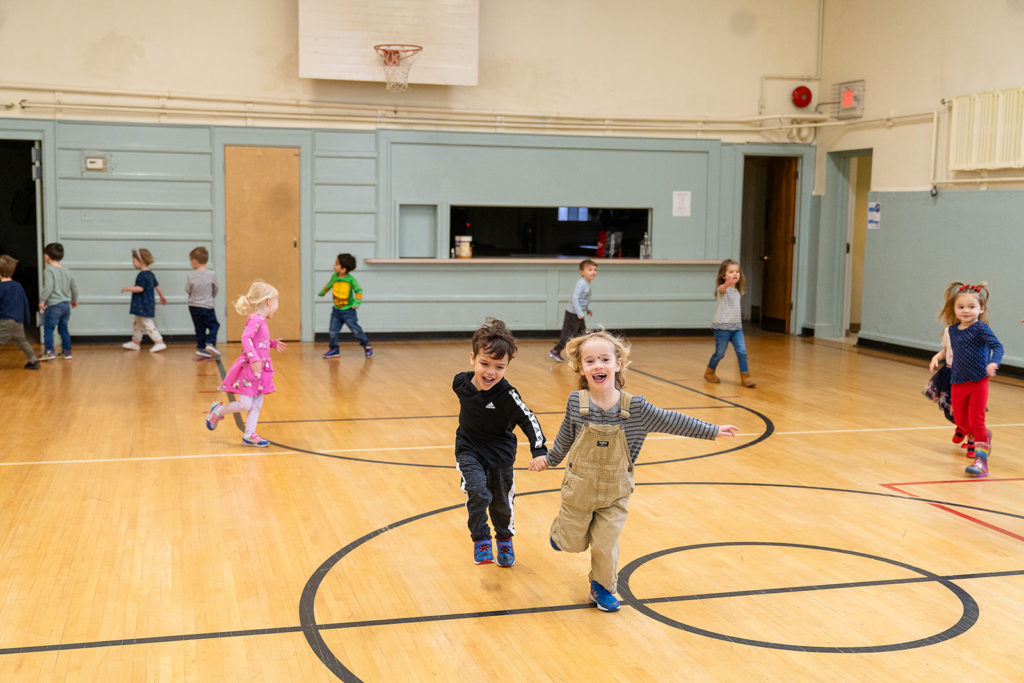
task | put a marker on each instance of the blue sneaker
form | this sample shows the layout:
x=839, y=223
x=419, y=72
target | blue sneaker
x=332, y=353
x=482, y=553
x=213, y=418
x=506, y=555
x=368, y=350
x=553, y=544
x=606, y=602
x=255, y=440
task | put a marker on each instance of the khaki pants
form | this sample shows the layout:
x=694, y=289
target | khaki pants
x=148, y=326
x=595, y=498
x=13, y=331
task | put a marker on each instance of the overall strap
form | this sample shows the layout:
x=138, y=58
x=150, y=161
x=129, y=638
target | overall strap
x=584, y=398
x=624, y=401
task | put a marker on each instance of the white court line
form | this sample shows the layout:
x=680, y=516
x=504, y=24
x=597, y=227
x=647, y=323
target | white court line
x=156, y=457
x=449, y=446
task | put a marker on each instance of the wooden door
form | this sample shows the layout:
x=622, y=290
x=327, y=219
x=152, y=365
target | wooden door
x=780, y=220
x=261, y=198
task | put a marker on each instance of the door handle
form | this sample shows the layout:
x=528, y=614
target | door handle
x=765, y=258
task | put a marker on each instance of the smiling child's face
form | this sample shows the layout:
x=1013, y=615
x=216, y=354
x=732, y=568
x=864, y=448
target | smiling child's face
x=487, y=370
x=598, y=363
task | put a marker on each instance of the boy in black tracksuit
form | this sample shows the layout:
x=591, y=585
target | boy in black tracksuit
x=485, y=446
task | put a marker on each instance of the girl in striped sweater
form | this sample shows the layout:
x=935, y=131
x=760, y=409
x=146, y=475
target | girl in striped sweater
x=600, y=438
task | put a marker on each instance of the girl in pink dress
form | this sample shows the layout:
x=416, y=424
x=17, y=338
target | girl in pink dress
x=252, y=374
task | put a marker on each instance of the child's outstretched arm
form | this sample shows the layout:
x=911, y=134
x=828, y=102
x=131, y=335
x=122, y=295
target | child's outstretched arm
x=163, y=299
x=727, y=430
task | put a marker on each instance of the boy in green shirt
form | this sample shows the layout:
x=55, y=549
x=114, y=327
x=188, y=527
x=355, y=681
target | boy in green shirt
x=348, y=295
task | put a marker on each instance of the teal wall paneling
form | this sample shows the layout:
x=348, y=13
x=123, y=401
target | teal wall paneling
x=923, y=244
x=156, y=192
x=163, y=189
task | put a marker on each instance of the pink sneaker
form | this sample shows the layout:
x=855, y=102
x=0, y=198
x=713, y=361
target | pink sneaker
x=213, y=417
x=255, y=439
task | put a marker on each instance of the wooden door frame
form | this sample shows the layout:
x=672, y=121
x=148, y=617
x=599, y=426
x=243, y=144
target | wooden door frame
x=801, y=291
x=268, y=137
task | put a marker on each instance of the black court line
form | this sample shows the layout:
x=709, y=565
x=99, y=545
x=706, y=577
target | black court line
x=769, y=428
x=312, y=629
x=445, y=417
x=309, y=593
x=430, y=618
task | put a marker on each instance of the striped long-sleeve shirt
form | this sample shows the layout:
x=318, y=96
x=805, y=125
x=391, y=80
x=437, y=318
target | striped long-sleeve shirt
x=644, y=418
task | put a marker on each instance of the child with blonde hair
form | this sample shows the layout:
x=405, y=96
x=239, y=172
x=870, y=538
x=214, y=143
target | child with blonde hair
x=600, y=438
x=978, y=353
x=728, y=321
x=251, y=376
x=144, y=303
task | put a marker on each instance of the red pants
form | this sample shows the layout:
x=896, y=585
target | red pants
x=969, y=401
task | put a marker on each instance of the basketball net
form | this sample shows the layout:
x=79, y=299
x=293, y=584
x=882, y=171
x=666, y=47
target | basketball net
x=397, y=59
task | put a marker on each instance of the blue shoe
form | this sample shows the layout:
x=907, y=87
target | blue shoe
x=255, y=440
x=213, y=418
x=368, y=350
x=606, y=602
x=553, y=545
x=332, y=353
x=506, y=555
x=482, y=553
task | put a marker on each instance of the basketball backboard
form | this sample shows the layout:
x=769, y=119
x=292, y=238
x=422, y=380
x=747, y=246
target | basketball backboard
x=337, y=38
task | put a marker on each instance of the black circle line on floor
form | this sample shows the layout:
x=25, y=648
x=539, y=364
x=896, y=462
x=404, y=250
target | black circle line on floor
x=309, y=592
x=311, y=629
x=769, y=428
x=968, y=616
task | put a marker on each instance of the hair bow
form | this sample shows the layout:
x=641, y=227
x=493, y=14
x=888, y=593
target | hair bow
x=970, y=288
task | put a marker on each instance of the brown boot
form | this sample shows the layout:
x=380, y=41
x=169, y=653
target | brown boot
x=746, y=381
x=710, y=376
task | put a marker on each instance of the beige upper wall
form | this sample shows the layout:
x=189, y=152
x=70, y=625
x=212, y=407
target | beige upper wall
x=643, y=58
x=912, y=54
x=674, y=59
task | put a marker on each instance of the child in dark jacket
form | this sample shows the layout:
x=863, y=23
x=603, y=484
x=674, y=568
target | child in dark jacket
x=14, y=311
x=485, y=445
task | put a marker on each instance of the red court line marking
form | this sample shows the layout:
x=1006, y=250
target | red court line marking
x=969, y=518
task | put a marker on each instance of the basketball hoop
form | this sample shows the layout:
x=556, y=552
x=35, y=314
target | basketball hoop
x=397, y=59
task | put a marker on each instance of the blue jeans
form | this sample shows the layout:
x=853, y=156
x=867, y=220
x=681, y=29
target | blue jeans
x=722, y=339
x=346, y=317
x=57, y=316
x=205, y=322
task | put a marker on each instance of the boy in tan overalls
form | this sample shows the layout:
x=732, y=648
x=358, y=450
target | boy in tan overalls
x=600, y=438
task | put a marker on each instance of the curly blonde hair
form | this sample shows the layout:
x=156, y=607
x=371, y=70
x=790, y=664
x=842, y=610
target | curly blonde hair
x=259, y=291
x=619, y=345
x=954, y=291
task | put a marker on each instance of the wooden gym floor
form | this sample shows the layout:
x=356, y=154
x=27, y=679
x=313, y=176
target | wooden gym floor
x=836, y=538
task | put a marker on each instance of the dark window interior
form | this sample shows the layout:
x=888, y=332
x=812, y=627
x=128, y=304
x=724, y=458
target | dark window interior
x=518, y=231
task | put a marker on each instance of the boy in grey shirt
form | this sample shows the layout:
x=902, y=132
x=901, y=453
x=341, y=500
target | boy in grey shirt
x=201, y=287
x=59, y=296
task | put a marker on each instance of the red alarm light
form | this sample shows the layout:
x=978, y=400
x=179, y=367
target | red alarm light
x=801, y=96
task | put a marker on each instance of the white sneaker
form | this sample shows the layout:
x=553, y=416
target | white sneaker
x=131, y=345
x=160, y=346
x=212, y=350
x=202, y=354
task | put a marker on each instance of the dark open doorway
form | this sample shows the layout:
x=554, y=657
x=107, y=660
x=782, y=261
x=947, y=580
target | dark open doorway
x=18, y=219
x=768, y=239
